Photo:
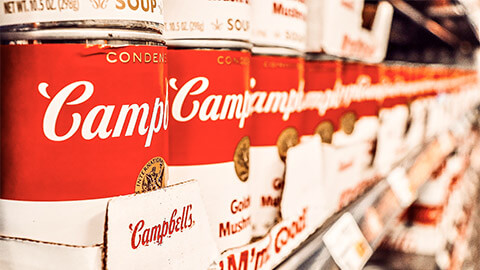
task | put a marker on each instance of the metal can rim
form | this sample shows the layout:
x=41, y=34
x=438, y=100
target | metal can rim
x=82, y=34
x=209, y=43
x=276, y=51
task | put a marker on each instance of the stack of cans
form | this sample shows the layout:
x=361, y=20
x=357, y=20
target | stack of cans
x=209, y=74
x=83, y=84
x=277, y=85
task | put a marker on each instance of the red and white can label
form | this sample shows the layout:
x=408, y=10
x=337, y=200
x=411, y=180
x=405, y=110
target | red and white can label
x=321, y=76
x=348, y=130
x=207, y=19
x=209, y=98
x=281, y=23
x=81, y=121
x=277, y=82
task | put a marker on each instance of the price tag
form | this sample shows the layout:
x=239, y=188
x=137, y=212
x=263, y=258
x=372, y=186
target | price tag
x=401, y=187
x=346, y=244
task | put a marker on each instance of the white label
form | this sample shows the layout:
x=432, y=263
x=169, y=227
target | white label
x=346, y=244
x=32, y=11
x=279, y=23
x=400, y=185
x=167, y=228
x=226, y=200
x=207, y=19
x=266, y=186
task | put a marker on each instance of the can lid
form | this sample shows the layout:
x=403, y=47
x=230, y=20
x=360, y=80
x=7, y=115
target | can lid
x=39, y=11
x=321, y=57
x=277, y=51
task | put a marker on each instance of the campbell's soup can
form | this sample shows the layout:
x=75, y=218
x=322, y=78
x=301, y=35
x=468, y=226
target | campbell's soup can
x=322, y=73
x=209, y=96
x=393, y=115
x=277, y=82
x=350, y=152
x=84, y=114
x=207, y=19
x=93, y=107
x=48, y=17
x=279, y=23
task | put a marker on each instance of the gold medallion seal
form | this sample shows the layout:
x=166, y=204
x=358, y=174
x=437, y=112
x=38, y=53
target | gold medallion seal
x=287, y=138
x=325, y=130
x=153, y=176
x=241, y=158
x=347, y=122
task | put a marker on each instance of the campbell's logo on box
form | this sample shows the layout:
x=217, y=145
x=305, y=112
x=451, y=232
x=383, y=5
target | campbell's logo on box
x=143, y=235
x=144, y=229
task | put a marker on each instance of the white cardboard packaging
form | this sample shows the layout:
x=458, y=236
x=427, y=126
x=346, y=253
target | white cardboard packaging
x=341, y=32
x=304, y=179
x=416, y=132
x=226, y=199
x=347, y=160
x=23, y=254
x=128, y=220
x=77, y=223
x=266, y=182
x=167, y=228
x=390, y=137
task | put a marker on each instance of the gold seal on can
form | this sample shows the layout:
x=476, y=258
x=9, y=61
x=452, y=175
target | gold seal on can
x=287, y=138
x=153, y=176
x=347, y=122
x=241, y=159
x=325, y=130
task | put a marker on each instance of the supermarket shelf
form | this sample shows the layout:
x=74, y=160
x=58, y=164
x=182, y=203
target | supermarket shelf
x=399, y=260
x=379, y=204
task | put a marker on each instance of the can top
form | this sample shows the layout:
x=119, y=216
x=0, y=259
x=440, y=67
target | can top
x=277, y=51
x=321, y=57
x=208, y=44
x=16, y=13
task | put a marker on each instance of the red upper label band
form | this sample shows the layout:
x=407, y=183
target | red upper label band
x=78, y=121
x=208, y=93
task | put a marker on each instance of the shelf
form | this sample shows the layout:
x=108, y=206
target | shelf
x=378, y=205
